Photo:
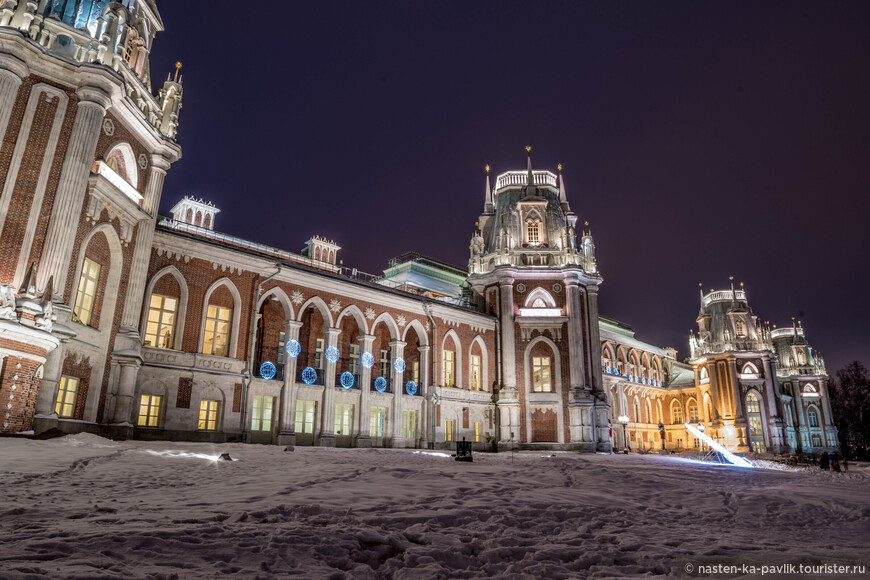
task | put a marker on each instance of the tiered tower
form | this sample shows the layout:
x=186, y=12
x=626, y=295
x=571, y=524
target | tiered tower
x=527, y=268
x=86, y=147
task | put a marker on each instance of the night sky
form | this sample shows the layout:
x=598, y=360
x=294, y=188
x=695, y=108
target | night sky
x=701, y=140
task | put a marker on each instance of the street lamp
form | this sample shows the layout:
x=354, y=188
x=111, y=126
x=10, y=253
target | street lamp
x=624, y=420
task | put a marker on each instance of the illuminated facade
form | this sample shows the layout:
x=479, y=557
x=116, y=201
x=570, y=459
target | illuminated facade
x=115, y=321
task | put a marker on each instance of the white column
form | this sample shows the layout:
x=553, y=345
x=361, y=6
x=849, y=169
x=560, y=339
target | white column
x=144, y=238
x=365, y=394
x=51, y=372
x=575, y=340
x=327, y=411
x=508, y=396
x=71, y=190
x=287, y=421
x=425, y=388
x=397, y=350
x=129, y=369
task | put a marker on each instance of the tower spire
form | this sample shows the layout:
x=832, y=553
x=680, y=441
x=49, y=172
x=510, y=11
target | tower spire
x=487, y=197
x=531, y=180
x=563, y=199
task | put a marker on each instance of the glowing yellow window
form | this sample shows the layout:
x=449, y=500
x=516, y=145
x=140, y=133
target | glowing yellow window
x=409, y=424
x=378, y=422
x=208, y=415
x=475, y=372
x=217, y=330
x=149, y=411
x=86, y=297
x=304, y=416
x=477, y=431
x=66, y=397
x=448, y=368
x=343, y=419
x=160, y=328
x=261, y=413
x=450, y=430
x=541, y=374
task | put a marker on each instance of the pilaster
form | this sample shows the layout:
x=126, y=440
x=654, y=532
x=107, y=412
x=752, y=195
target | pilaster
x=397, y=350
x=287, y=422
x=364, y=438
x=327, y=416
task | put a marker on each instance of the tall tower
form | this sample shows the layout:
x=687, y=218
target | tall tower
x=527, y=268
x=735, y=369
x=804, y=382
x=86, y=147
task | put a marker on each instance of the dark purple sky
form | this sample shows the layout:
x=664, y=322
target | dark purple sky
x=700, y=139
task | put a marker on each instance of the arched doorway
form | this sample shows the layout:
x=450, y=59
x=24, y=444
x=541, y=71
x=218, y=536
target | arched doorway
x=756, y=427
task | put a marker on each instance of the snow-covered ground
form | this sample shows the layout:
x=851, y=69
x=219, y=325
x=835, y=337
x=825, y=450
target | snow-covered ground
x=86, y=507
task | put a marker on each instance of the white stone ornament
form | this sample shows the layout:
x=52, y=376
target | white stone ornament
x=108, y=127
x=334, y=305
x=521, y=287
x=143, y=161
x=370, y=313
x=557, y=288
x=401, y=320
x=296, y=297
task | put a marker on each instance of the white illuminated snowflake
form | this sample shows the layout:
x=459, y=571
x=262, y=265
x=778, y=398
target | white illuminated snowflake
x=401, y=320
x=334, y=305
x=296, y=297
x=370, y=313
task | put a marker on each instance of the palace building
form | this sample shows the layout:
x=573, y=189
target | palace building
x=116, y=321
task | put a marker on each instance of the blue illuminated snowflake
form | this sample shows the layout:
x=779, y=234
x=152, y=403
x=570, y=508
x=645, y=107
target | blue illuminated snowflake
x=346, y=380
x=411, y=388
x=309, y=375
x=607, y=370
x=267, y=371
x=399, y=365
x=367, y=360
x=380, y=384
x=332, y=354
x=293, y=348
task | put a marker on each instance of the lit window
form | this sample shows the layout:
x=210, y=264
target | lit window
x=149, y=411
x=450, y=430
x=304, y=417
x=217, y=331
x=477, y=431
x=739, y=328
x=693, y=413
x=385, y=364
x=87, y=294
x=448, y=367
x=318, y=353
x=817, y=440
x=208, y=415
x=533, y=229
x=814, y=419
x=409, y=424
x=677, y=412
x=66, y=397
x=541, y=374
x=343, y=419
x=281, y=342
x=475, y=372
x=261, y=413
x=354, y=359
x=378, y=424
x=539, y=303
x=161, y=321
x=415, y=372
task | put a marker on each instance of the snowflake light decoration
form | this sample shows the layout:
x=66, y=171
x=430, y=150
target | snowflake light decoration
x=346, y=380
x=380, y=384
x=296, y=297
x=309, y=375
x=411, y=388
x=401, y=320
x=293, y=348
x=267, y=371
x=334, y=305
x=332, y=354
x=399, y=365
x=370, y=313
x=367, y=360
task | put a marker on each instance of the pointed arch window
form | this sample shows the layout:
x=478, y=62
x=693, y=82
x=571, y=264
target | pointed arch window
x=533, y=232
x=740, y=328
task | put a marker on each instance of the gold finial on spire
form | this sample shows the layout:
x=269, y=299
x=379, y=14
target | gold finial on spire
x=731, y=278
x=559, y=167
x=586, y=224
x=177, y=68
x=700, y=284
x=528, y=148
x=487, y=167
